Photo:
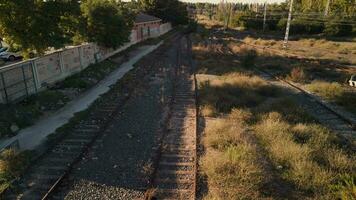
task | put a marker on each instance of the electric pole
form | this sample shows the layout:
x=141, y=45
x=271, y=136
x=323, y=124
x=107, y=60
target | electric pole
x=327, y=8
x=285, y=43
x=264, y=17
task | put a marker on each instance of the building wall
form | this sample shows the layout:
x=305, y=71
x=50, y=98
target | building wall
x=147, y=30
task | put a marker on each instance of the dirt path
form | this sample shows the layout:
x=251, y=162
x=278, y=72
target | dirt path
x=32, y=136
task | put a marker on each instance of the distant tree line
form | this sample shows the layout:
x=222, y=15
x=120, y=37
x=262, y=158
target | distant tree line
x=36, y=25
x=309, y=16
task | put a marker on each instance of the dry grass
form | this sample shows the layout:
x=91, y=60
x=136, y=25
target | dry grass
x=330, y=91
x=220, y=93
x=305, y=154
x=297, y=75
x=334, y=92
x=318, y=48
x=231, y=163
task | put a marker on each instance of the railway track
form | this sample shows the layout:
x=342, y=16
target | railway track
x=322, y=112
x=51, y=171
x=44, y=177
x=174, y=175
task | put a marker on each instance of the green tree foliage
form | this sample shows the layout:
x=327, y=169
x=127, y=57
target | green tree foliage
x=308, y=17
x=106, y=23
x=35, y=24
x=168, y=10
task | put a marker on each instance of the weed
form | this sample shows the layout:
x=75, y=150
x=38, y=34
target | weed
x=12, y=164
x=248, y=59
x=345, y=189
x=329, y=91
x=304, y=152
x=297, y=75
x=208, y=111
x=232, y=167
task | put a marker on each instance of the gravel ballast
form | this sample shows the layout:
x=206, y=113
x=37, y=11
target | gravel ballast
x=119, y=165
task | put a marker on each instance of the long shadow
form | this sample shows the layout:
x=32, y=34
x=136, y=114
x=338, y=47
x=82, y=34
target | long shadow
x=226, y=96
x=122, y=160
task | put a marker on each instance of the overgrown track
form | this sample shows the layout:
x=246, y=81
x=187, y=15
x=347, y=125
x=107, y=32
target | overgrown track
x=174, y=175
x=326, y=115
x=50, y=172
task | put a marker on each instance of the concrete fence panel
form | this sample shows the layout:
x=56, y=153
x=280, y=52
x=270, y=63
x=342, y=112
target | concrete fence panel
x=17, y=82
x=164, y=28
x=133, y=36
x=71, y=60
x=48, y=69
x=88, y=54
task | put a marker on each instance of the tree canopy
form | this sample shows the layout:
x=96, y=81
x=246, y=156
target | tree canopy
x=168, y=10
x=106, y=23
x=36, y=25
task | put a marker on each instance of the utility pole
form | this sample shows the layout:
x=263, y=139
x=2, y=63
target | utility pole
x=264, y=17
x=327, y=8
x=285, y=43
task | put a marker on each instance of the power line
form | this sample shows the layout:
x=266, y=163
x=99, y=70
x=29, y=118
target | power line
x=309, y=20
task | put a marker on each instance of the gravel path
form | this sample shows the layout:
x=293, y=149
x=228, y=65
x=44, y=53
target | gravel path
x=119, y=165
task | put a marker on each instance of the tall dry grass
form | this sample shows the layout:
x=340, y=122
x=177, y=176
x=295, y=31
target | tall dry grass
x=231, y=163
x=235, y=90
x=306, y=155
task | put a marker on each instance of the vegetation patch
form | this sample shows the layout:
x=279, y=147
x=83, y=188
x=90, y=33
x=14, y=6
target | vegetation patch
x=334, y=92
x=231, y=162
x=262, y=144
x=12, y=165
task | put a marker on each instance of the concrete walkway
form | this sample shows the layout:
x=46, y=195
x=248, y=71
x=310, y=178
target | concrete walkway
x=33, y=136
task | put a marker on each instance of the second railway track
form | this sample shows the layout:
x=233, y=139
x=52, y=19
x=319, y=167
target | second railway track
x=327, y=116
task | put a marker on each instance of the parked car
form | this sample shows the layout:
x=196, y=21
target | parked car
x=2, y=49
x=352, y=81
x=10, y=56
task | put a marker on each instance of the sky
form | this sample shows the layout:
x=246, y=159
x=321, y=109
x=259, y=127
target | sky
x=236, y=1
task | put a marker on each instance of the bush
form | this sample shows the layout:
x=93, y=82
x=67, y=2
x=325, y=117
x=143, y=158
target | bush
x=248, y=59
x=330, y=91
x=12, y=164
x=334, y=28
x=300, y=26
x=250, y=21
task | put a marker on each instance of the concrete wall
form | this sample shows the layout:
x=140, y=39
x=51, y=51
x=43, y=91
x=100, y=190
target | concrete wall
x=164, y=28
x=19, y=80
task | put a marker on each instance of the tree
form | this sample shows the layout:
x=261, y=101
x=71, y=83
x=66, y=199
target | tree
x=168, y=10
x=105, y=23
x=34, y=24
x=225, y=11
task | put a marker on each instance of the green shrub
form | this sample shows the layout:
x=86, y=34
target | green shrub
x=335, y=28
x=12, y=164
x=301, y=26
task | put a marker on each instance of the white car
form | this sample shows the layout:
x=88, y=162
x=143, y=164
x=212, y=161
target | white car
x=10, y=56
x=352, y=81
